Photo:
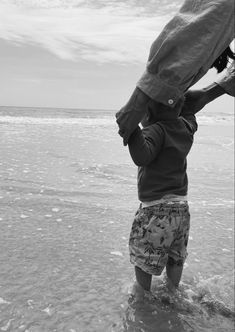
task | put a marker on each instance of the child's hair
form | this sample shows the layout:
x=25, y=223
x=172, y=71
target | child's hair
x=156, y=111
x=222, y=61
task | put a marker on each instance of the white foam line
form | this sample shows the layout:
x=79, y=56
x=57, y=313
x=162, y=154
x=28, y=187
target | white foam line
x=58, y=121
x=2, y=301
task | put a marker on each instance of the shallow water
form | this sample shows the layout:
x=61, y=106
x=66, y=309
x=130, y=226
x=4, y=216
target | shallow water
x=67, y=199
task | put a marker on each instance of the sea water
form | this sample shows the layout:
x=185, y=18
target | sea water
x=67, y=201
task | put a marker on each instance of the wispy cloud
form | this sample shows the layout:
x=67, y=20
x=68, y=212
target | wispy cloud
x=100, y=31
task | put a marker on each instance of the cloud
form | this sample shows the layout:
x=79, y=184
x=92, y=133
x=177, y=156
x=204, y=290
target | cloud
x=99, y=31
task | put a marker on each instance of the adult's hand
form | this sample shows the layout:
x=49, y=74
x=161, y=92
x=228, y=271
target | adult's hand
x=131, y=114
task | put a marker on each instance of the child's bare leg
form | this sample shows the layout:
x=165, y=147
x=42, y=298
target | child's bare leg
x=144, y=279
x=174, y=273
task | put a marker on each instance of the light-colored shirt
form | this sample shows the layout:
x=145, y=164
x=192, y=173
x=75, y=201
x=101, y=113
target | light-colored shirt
x=186, y=48
x=227, y=80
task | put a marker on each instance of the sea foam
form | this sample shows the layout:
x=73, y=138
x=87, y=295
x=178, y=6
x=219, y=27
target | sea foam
x=57, y=121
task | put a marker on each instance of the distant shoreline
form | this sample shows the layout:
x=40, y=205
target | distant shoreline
x=58, y=108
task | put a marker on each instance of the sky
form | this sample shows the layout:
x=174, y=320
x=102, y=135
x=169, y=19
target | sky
x=78, y=53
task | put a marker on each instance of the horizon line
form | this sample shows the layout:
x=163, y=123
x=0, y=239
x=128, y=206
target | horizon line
x=69, y=108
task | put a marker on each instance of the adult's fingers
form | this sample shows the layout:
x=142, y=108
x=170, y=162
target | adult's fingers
x=125, y=141
x=124, y=135
x=119, y=114
x=121, y=132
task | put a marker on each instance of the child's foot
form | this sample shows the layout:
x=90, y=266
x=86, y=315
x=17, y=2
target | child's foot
x=142, y=300
x=171, y=287
x=138, y=292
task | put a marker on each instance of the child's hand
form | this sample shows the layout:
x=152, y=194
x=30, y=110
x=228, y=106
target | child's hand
x=195, y=100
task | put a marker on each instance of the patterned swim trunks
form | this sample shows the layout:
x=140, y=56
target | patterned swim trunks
x=159, y=232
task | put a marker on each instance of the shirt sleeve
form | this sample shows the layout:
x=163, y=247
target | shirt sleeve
x=227, y=80
x=186, y=48
x=144, y=145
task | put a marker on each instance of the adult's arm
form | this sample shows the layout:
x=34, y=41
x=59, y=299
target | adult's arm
x=180, y=56
x=186, y=48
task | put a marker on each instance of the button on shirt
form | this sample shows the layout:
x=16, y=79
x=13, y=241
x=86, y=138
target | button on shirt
x=186, y=48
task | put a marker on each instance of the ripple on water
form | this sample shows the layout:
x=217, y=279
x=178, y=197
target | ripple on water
x=56, y=273
x=2, y=301
x=194, y=307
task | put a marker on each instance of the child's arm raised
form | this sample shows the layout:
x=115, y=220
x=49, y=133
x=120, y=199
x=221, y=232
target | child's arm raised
x=195, y=100
x=144, y=145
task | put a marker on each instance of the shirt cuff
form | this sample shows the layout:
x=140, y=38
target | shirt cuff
x=158, y=90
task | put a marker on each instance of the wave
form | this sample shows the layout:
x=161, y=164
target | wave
x=107, y=121
x=96, y=120
x=215, y=119
x=197, y=305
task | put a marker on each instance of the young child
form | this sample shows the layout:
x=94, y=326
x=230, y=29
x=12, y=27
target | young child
x=160, y=230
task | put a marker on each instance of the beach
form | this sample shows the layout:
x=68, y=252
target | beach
x=67, y=200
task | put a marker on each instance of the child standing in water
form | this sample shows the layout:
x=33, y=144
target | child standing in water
x=159, y=234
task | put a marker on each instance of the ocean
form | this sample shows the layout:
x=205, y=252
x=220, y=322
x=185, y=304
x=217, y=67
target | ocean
x=67, y=200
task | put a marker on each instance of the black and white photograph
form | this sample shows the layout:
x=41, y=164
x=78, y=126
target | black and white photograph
x=117, y=165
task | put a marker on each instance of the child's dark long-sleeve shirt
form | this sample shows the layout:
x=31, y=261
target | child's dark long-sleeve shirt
x=160, y=151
